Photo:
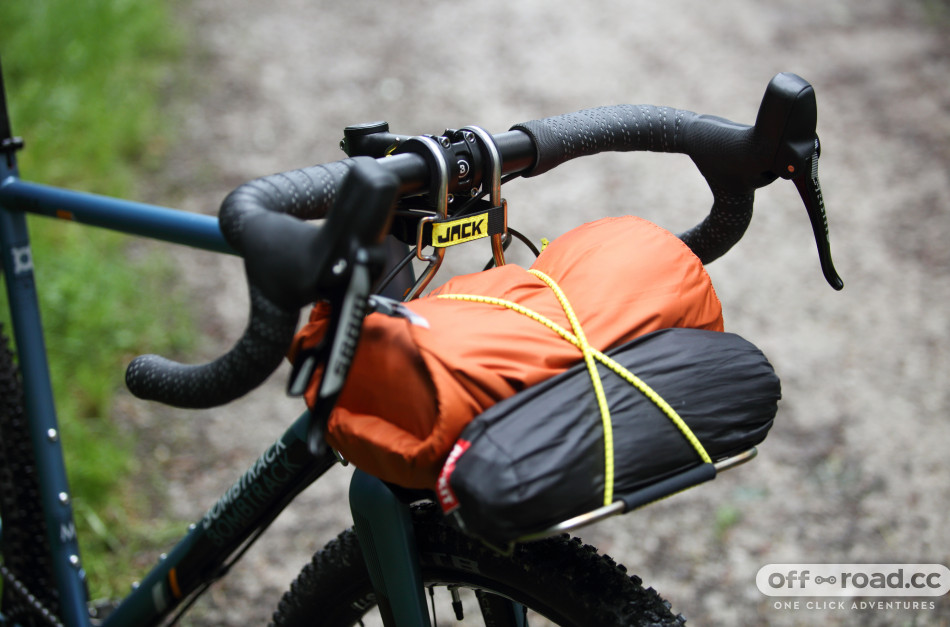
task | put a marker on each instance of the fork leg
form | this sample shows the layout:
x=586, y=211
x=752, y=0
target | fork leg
x=384, y=528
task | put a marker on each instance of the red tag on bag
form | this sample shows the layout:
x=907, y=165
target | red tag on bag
x=443, y=488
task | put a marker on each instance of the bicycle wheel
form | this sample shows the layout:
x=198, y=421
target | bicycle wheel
x=28, y=583
x=559, y=579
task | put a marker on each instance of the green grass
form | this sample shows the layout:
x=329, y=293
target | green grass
x=85, y=82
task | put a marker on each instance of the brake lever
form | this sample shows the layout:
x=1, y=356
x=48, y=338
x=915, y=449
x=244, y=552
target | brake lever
x=809, y=189
x=336, y=351
x=355, y=229
x=789, y=114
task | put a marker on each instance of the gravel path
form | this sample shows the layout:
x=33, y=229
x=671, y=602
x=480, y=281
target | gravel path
x=854, y=470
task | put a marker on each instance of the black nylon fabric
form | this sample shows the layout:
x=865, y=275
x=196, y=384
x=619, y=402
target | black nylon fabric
x=537, y=458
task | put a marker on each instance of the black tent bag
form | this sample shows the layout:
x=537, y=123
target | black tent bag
x=537, y=458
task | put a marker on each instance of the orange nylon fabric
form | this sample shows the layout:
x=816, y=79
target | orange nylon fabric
x=412, y=389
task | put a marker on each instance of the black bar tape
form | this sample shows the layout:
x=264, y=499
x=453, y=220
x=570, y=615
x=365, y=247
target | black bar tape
x=618, y=128
x=306, y=194
x=725, y=153
x=255, y=356
x=722, y=228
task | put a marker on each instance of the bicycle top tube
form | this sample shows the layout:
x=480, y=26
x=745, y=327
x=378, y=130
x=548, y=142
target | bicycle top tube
x=135, y=218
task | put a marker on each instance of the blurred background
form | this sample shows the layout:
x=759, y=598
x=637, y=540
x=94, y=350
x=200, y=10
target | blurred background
x=854, y=470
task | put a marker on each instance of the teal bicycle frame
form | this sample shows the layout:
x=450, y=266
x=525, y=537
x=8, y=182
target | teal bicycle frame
x=213, y=543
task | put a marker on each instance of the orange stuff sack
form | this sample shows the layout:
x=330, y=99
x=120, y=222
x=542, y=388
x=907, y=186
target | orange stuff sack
x=415, y=385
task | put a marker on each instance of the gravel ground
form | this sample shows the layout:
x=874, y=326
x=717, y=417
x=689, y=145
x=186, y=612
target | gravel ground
x=854, y=470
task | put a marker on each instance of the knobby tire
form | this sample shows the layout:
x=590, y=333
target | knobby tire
x=560, y=578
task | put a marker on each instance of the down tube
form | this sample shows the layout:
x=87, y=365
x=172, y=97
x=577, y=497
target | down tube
x=281, y=472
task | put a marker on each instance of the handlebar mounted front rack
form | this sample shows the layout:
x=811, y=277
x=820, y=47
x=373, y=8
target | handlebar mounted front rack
x=450, y=158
